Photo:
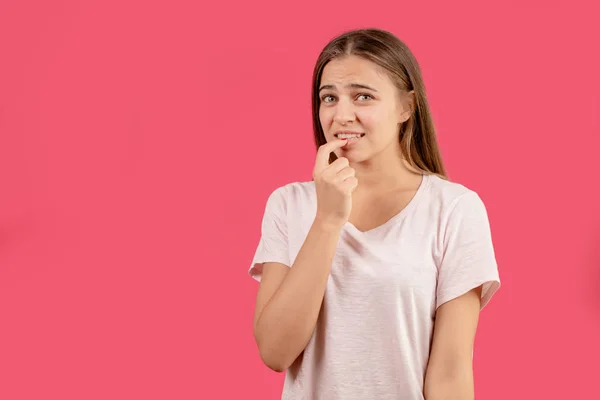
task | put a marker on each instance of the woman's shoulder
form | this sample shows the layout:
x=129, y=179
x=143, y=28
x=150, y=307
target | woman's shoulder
x=447, y=192
x=296, y=187
x=293, y=192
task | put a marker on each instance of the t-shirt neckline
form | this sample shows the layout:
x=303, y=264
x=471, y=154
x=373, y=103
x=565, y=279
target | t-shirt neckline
x=401, y=214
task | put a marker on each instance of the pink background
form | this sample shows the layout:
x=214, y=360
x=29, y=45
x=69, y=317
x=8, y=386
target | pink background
x=140, y=140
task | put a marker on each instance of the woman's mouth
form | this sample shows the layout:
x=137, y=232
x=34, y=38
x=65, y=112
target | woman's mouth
x=345, y=135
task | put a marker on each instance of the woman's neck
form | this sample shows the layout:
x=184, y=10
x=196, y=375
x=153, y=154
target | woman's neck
x=385, y=176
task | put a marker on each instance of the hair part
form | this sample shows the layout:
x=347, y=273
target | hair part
x=417, y=135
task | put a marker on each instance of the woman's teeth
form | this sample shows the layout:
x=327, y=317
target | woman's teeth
x=349, y=136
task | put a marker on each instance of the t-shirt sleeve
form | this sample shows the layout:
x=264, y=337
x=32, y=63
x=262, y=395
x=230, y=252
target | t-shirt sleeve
x=273, y=242
x=468, y=254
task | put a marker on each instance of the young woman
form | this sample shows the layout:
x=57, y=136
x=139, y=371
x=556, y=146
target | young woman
x=373, y=274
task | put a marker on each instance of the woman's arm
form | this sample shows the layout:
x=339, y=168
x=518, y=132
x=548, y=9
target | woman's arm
x=289, y=299
x=288, y=302
x=449, y=373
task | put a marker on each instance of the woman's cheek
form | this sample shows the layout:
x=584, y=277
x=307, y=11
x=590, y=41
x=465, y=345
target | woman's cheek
x=365, y=120
x=323, y=118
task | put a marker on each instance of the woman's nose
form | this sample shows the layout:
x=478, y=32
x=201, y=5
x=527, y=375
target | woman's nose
x=344, y=113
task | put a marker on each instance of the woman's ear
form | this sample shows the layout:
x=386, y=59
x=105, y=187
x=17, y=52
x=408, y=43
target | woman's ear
x=407, y=106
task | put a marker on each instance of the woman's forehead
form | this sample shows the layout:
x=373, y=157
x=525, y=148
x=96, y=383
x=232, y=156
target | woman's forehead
x=342, y=73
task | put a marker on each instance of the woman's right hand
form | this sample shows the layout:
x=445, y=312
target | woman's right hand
x=335, y=184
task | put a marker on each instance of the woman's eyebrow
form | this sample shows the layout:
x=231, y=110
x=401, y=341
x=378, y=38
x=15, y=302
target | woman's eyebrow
x=351, y=85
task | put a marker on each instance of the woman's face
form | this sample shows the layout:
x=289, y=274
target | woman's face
x=359, y=99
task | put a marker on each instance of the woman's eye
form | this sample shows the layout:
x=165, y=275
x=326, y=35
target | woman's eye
x=368, y=96
x=327, y=99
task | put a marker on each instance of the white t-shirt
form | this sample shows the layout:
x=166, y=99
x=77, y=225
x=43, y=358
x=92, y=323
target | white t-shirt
x=374, y=330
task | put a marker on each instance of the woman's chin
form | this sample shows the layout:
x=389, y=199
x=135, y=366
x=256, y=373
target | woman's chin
x=354, y=156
